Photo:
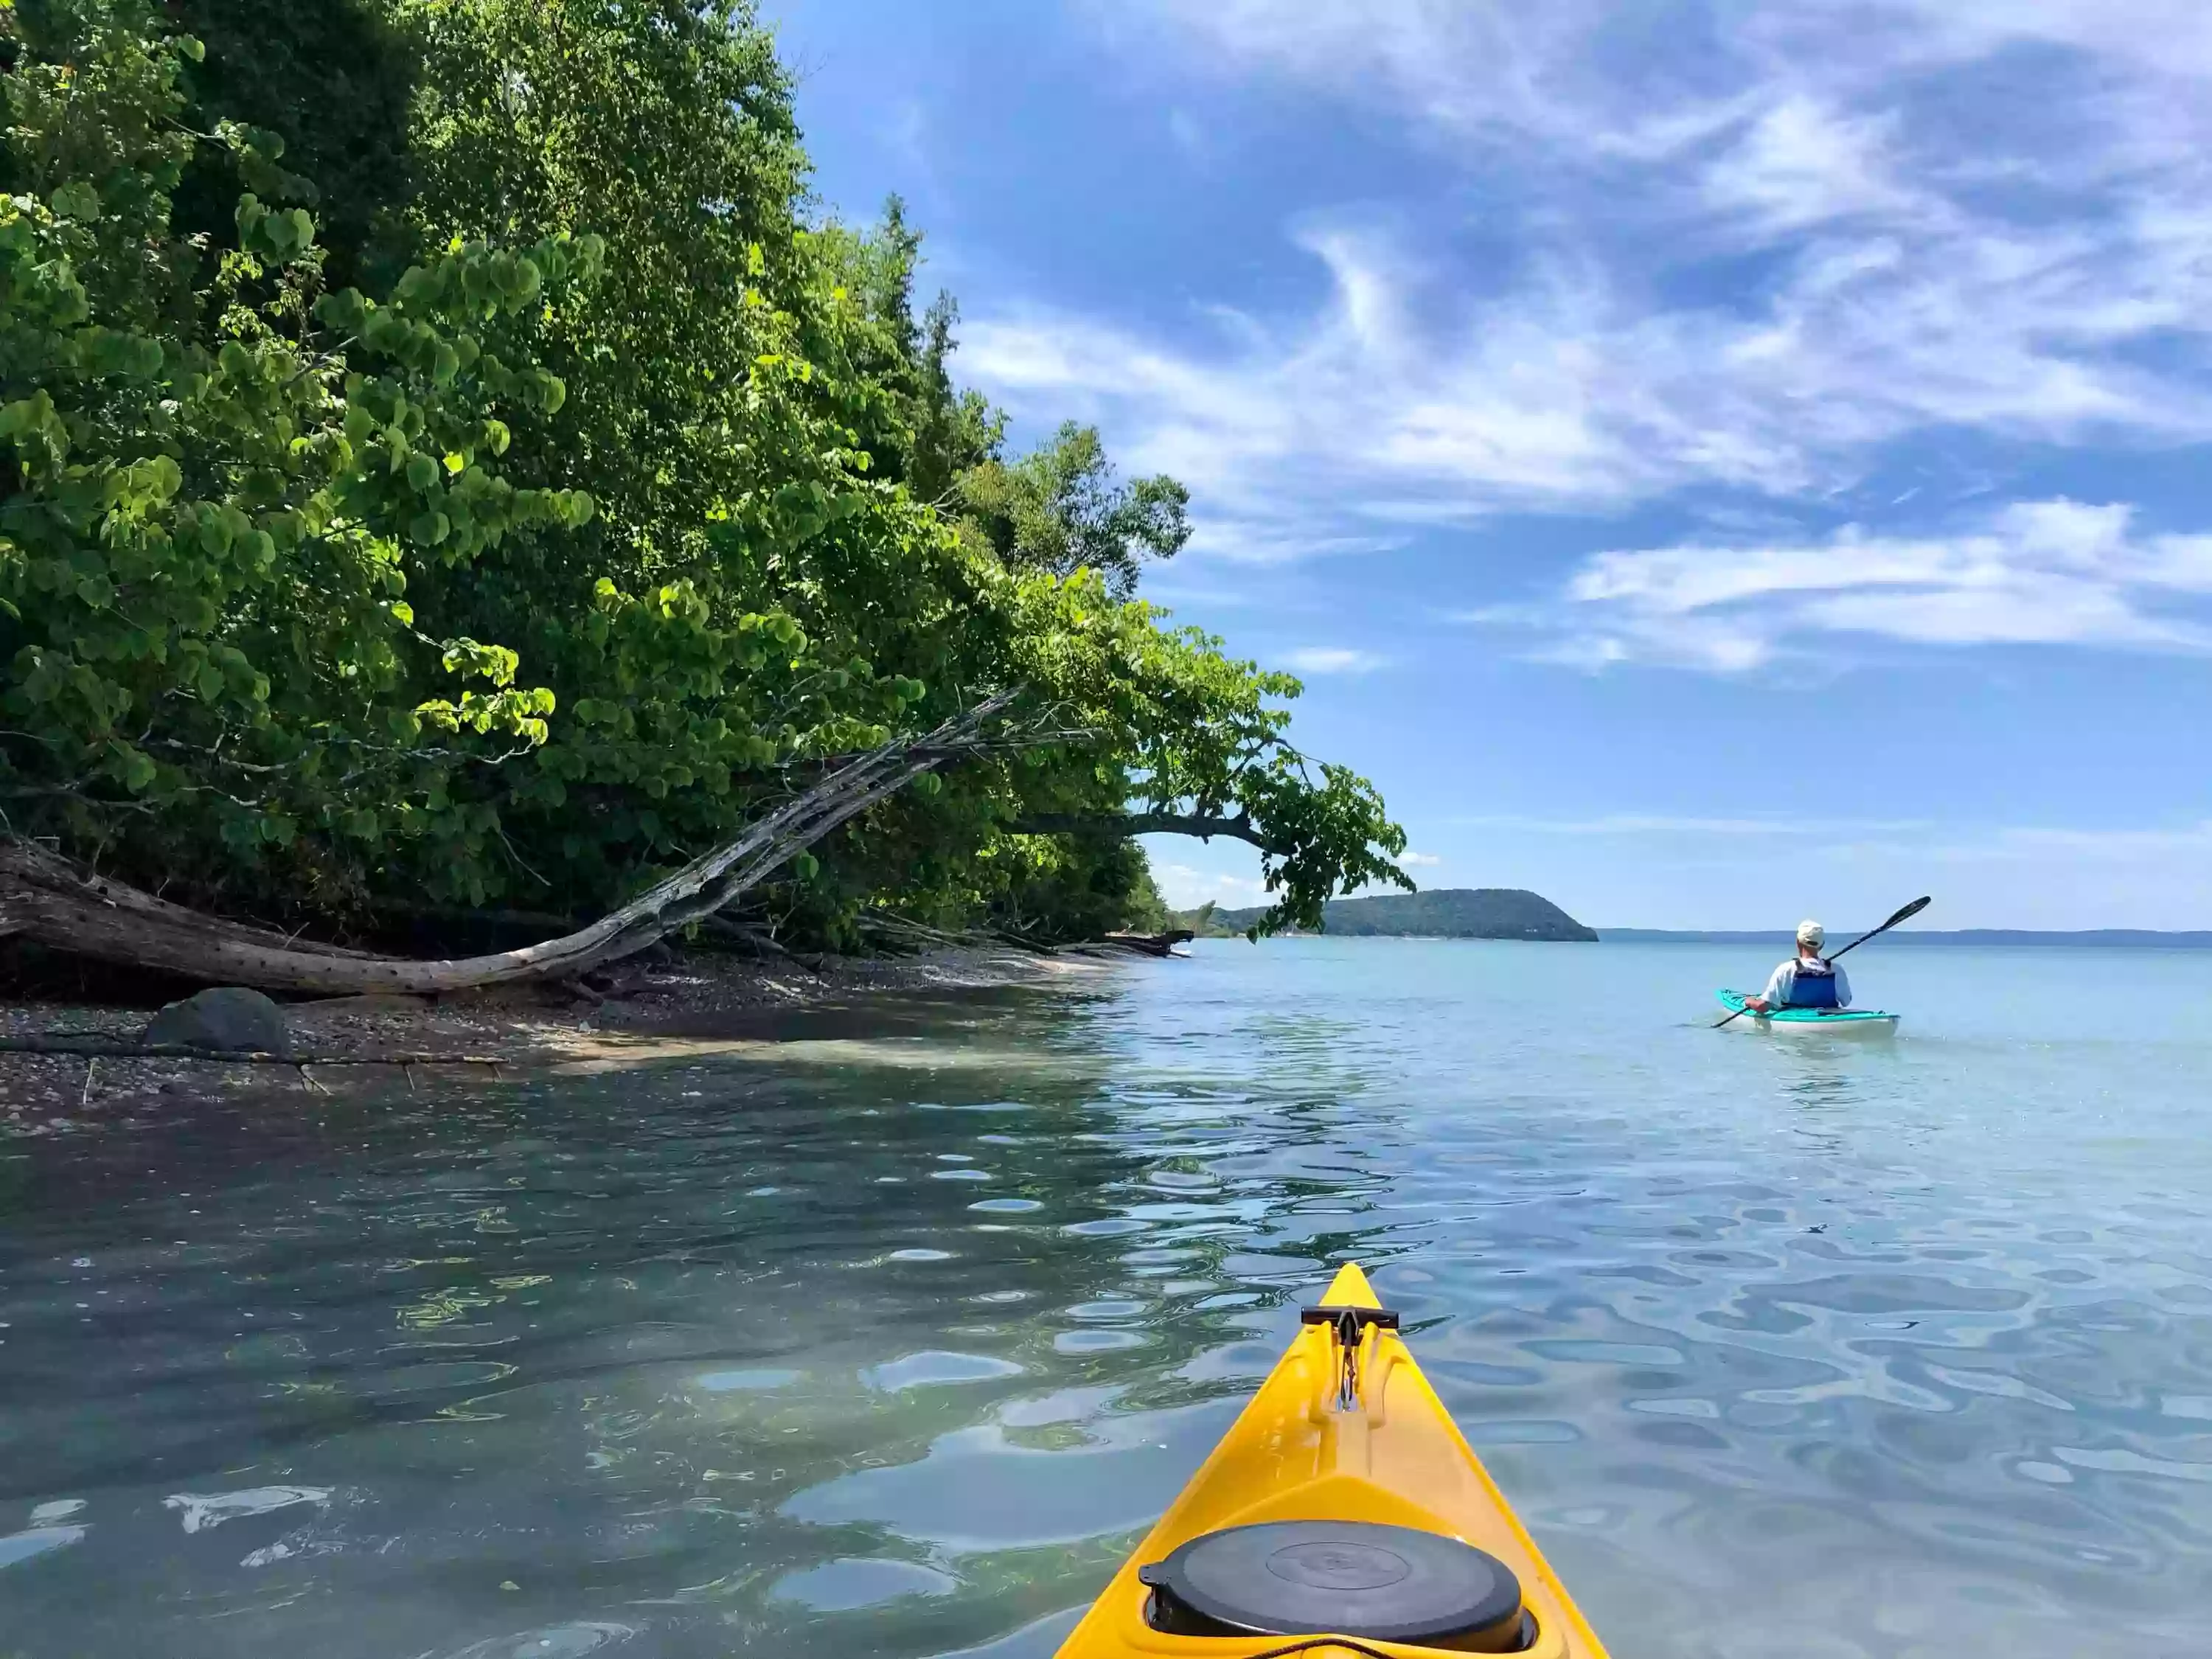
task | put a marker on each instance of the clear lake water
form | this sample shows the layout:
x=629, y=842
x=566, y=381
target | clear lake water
x=894, y=1344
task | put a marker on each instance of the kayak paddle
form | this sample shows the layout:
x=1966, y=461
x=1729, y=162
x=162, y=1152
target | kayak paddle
x=1905, y=914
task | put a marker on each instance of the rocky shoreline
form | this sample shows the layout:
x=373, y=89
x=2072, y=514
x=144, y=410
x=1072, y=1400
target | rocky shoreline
x=684, y=1007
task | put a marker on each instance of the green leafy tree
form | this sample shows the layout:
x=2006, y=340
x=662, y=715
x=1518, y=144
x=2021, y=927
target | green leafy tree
x=511, y=508
x=956, y=430
x=335, y=81
x=216, y=489
x=1062, y=508
x=753, y=592
x=1182, y=739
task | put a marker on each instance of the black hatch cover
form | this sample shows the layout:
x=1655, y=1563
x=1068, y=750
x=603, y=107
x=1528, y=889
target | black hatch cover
x=1341, y=1577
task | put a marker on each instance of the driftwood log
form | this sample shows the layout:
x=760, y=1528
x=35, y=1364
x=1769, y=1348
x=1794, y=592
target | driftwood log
x=56, y=903
x=1152, y=944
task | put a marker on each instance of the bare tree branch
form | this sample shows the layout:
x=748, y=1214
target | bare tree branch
x=1202, y=825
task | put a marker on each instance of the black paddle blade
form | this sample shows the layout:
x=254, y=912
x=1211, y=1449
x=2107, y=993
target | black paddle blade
x=1905, y=914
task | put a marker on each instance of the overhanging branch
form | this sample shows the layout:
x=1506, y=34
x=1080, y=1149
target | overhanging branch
x=1202, y=825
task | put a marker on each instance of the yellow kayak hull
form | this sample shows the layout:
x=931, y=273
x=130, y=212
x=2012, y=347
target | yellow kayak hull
x=1302, y=1451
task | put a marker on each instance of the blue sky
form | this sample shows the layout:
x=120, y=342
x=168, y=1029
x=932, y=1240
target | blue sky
x=1712, y=462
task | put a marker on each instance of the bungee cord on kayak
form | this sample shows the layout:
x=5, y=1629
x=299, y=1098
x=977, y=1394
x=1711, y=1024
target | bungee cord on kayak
x=1347, y=1324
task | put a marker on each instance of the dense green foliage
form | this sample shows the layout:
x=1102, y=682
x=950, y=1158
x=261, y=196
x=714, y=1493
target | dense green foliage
x=1061, y=509
x=442, y=460
x=1443, y=913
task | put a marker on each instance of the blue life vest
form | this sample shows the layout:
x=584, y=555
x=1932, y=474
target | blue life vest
x=1813, y=987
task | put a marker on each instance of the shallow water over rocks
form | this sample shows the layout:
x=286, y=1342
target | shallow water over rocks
x=893, y=1344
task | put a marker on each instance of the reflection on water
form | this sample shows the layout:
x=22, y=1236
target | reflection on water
x=890, y=1345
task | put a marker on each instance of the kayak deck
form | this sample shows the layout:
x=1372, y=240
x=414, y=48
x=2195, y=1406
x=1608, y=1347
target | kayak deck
x=1864, y=1021
x=1308, y=1447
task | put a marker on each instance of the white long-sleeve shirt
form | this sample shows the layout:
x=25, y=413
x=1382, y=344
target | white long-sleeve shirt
x=1785, y=979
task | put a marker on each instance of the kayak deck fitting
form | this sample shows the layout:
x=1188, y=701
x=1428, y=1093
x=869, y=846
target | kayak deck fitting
x=1866, y=1022
x=1342, y=1515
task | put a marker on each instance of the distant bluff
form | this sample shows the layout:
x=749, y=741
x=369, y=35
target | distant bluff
x=1448, y=913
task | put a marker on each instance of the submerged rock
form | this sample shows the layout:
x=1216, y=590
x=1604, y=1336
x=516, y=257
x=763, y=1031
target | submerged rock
x=232, y=1018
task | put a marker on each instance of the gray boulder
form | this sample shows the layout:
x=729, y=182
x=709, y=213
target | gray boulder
x=231, y=1018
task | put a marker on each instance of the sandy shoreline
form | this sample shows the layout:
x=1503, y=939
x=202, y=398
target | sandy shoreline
x=685, y=1008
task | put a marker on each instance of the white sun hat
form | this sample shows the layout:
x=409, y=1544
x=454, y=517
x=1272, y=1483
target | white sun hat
x=1812, y=933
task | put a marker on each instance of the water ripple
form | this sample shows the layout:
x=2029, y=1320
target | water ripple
x=1781, y=1350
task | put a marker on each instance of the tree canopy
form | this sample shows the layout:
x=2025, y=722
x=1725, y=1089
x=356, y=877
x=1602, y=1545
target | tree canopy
x=445, y=455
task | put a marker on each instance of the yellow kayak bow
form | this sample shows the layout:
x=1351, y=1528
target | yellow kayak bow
x=1343, y=1515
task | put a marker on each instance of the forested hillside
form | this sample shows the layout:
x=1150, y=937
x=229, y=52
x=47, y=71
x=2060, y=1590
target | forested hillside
x=1444, y=912
x=447, y=460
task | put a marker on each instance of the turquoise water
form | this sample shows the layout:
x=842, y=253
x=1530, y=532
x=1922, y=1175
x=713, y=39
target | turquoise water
x=1782, y=1347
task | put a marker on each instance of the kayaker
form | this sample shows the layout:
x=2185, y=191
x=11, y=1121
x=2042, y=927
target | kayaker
x=1806, y=980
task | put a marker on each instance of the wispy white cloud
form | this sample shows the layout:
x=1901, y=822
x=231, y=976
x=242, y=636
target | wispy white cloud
x=1190, y=136
x=1259, y=538
x=2041, y=572
x=1799, y=162
x=2173, y=38
x=1413, y=861
x=1595, y=78
x=1331, y=659
x=2034, y=264
x=2057, y=848
x=2044, y=842
x=1186, y=887
x=1662, y=823
x=2148, y=870
x=1464, y=67
x=1915, y=838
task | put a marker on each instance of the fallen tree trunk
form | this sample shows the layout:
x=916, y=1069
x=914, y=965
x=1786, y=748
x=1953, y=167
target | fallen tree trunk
x=46, y=897
x=1152, y=944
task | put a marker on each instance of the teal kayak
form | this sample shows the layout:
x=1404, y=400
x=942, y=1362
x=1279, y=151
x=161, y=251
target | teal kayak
x=1864, y=1021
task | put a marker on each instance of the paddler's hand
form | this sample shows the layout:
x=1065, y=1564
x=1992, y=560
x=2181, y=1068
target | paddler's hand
x=1757, y=1005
